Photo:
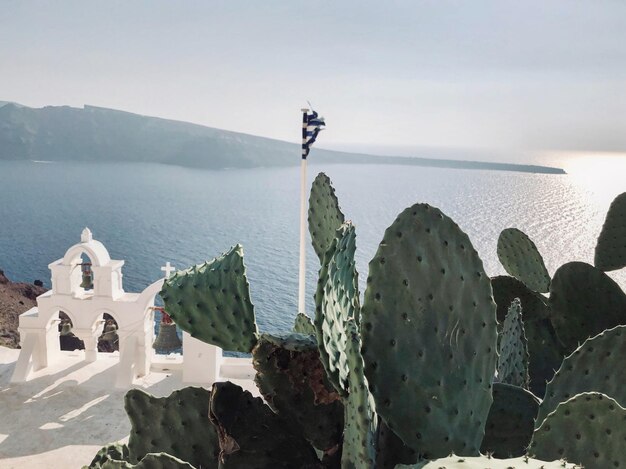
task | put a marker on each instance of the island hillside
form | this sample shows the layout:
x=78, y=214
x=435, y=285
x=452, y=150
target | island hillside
x=63, y=133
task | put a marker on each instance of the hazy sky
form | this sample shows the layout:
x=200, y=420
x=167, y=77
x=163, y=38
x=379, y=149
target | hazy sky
x=508, y=74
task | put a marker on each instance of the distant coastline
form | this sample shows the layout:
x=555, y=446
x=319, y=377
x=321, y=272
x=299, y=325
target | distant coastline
x=63, y=133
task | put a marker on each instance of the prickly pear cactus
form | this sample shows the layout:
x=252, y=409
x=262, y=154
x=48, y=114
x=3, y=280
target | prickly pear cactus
x=293, y=382
x=584, y=302
x=506, y=289
x=212, y=302
x=325, y=215
x=513, y=351
x=337, y=301
x=511, y=421
x=113, y=452
x=544, y=349
x=359, y=451
x=545, y=353
x=391, y=450
x=150, y=461
x=177, y=424
x=252, y=435
x=588, y=428
x=303, y=325
x=591, y=367
x=428, y=326
x=521, y=259
x=611, y=248
x=487, y=462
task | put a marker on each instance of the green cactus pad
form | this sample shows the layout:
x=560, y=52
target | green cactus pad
x=513, y=349
x=391, y=450
x=429, y=334
x=292, y=341
x=337, y=301
x=511, y=421
x=521, y=259
x=545, y=353
x=506, y=289
x=594, y=366
x=488, y=462
x=293, y=382
x=584, y=302
x=212, y=302
x=177, y=425
x=303, y=325
x=150, y=461
x=544, y=349
x=359, y=436
x=611, y=248
x=589, y=429
x=324, y=214
x=113, y=452
x=252, y=436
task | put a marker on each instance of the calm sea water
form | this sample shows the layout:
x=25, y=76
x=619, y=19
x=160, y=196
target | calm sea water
x=149, y=214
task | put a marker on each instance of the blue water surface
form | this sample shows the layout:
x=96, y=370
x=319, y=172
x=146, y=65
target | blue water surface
x=148, y=214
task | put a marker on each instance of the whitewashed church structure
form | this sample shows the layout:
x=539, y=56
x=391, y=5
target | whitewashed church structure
x=85, y=306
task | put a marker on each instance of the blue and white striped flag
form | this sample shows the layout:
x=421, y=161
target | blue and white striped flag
x=311, y=126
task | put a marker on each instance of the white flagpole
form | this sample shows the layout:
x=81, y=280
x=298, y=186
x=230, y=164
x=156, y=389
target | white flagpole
x=302, y=272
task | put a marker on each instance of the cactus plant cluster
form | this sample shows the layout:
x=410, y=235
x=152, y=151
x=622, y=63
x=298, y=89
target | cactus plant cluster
x=513, y=350
x=437, y=366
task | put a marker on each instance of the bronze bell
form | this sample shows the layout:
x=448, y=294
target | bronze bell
x=87, y=282
x=110, y=333
x=66, y=328
x=167, y=340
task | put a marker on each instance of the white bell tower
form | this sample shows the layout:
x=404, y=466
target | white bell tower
x=85, y=307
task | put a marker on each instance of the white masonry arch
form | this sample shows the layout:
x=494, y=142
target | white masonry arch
x=38, y=327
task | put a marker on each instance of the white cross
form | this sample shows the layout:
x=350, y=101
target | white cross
x=168, y=269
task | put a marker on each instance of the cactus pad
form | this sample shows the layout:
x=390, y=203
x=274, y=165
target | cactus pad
x=611, y=248
x=588, y=429
x=592, y=367
x=252, y=436
x=303, y=325
x=337, y=301
x=487, y=462
x=584, y=302
x=511, y=421
x=544, y=349
x=521, y=259
x=428, y=324
x=150, y=461
x=545, y=353
x=177, y=425
x=359, y=450
x=324, y=214
x=212, y=302
x=513, y=351
x=391, y=450
x=114, y=452
x=293, y=382
x=506, y=289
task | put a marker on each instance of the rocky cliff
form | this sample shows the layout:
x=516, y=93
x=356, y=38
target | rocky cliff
x=15, y=298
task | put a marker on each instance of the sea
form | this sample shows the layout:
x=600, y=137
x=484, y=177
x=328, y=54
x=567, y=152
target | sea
x=149, y=214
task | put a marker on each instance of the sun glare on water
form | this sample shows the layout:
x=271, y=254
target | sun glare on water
x=601, y=174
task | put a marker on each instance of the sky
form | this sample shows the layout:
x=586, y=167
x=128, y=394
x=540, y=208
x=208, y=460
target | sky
x=518, y=75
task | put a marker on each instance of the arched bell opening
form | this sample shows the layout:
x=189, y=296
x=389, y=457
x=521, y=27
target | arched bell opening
x=67, y=340
x=82, y=275
x=168, y=337
x=109, y=341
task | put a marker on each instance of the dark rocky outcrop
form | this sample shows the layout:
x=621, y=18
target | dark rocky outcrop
x=15, y=298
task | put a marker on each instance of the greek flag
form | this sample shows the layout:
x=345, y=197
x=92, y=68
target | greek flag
x=311, y=126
